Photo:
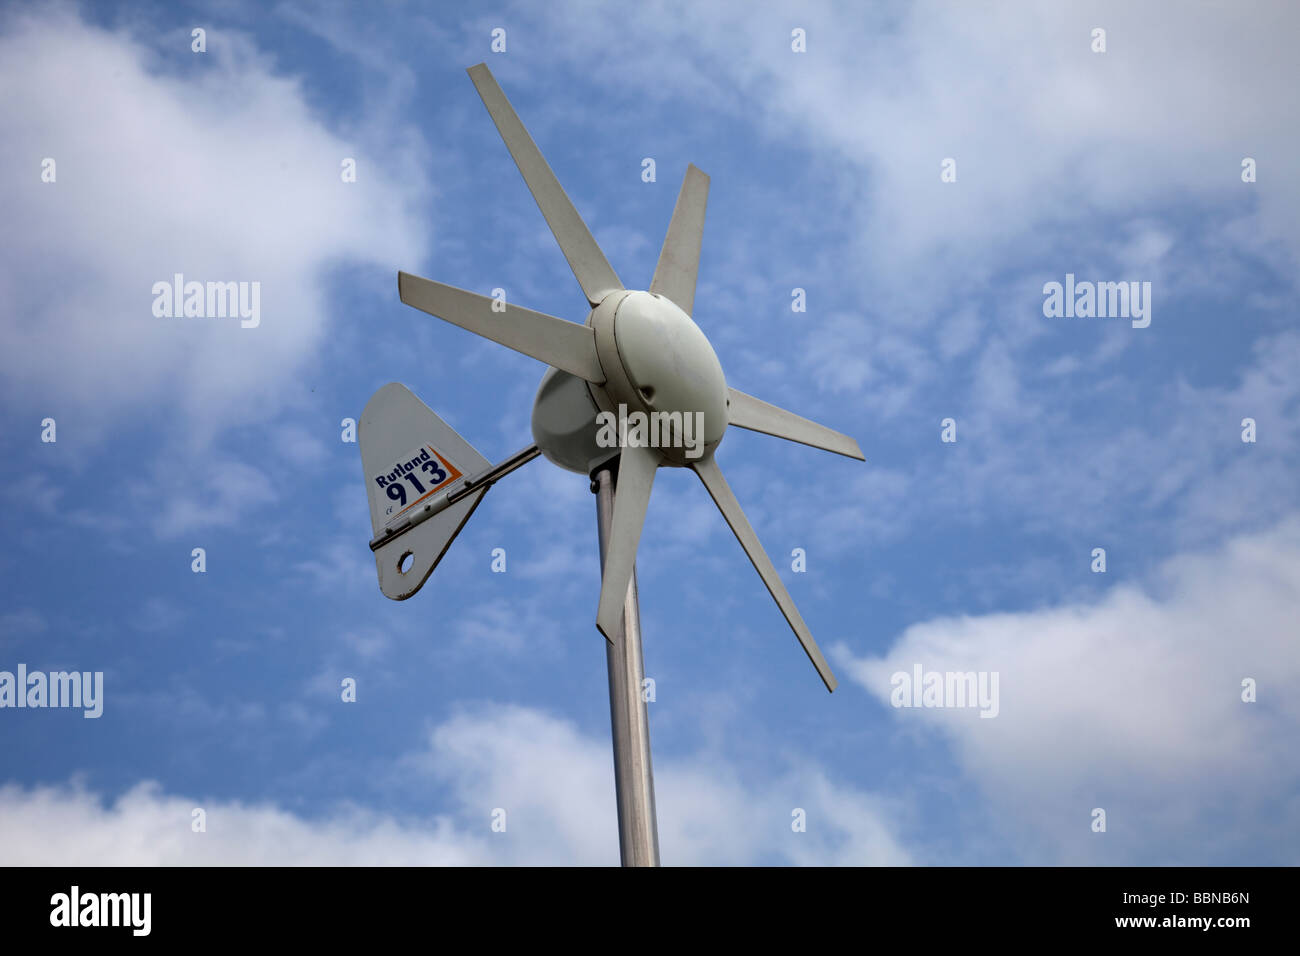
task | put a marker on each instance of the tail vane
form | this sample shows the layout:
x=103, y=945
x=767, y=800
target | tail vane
x=411, y=459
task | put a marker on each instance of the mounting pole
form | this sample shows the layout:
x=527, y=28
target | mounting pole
x=634, y=784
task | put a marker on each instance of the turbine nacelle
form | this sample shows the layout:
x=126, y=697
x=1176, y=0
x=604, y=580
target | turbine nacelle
x=658, y=362
x=663, y=389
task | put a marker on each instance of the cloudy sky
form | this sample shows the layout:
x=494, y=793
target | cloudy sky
x=1120, y=691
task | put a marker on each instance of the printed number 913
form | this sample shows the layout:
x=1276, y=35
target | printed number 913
x=434, y=474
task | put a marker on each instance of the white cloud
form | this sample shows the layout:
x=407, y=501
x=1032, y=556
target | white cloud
x=1178, y=476
x=145, y=827
x=1132, y=703
x=300, y=446
x=210, y=165
x=1043, y=129
x=341, y=567
x=24, y=623
x=555, y=784
x=219, y=494
x=160, y=615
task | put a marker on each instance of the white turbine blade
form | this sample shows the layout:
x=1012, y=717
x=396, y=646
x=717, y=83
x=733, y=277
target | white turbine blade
x=588, y=263
x=746, y=411
x=679, y=260
x=711, y=475
x=566, y=345
x=636, y=475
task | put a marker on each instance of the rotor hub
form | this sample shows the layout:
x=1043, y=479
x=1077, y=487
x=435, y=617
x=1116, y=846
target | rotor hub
x=659, y=365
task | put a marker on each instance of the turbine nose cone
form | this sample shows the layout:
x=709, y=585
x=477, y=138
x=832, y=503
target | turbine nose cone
x=670, y=365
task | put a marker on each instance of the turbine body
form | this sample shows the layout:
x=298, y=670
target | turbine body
x=638, y=353
x=656, y=362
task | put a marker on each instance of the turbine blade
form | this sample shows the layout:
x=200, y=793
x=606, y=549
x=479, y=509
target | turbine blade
x=636, y=475
x=586, y=260
x=679, y=260
x=746, y=411
x=566, y=345
x=711, y=475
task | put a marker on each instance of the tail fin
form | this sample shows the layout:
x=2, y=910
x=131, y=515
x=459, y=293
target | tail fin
x=411, y=456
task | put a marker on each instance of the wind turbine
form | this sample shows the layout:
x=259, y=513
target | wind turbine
x=638, y=352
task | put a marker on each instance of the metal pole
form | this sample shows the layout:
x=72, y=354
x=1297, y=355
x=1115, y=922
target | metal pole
x=634, y=784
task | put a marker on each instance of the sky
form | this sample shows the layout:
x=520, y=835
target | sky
x=921, y=171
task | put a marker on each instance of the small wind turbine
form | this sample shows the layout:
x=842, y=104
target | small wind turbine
x=638, y=352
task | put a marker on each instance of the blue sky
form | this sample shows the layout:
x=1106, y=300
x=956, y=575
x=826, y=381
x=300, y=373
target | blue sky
x=1119, y=690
